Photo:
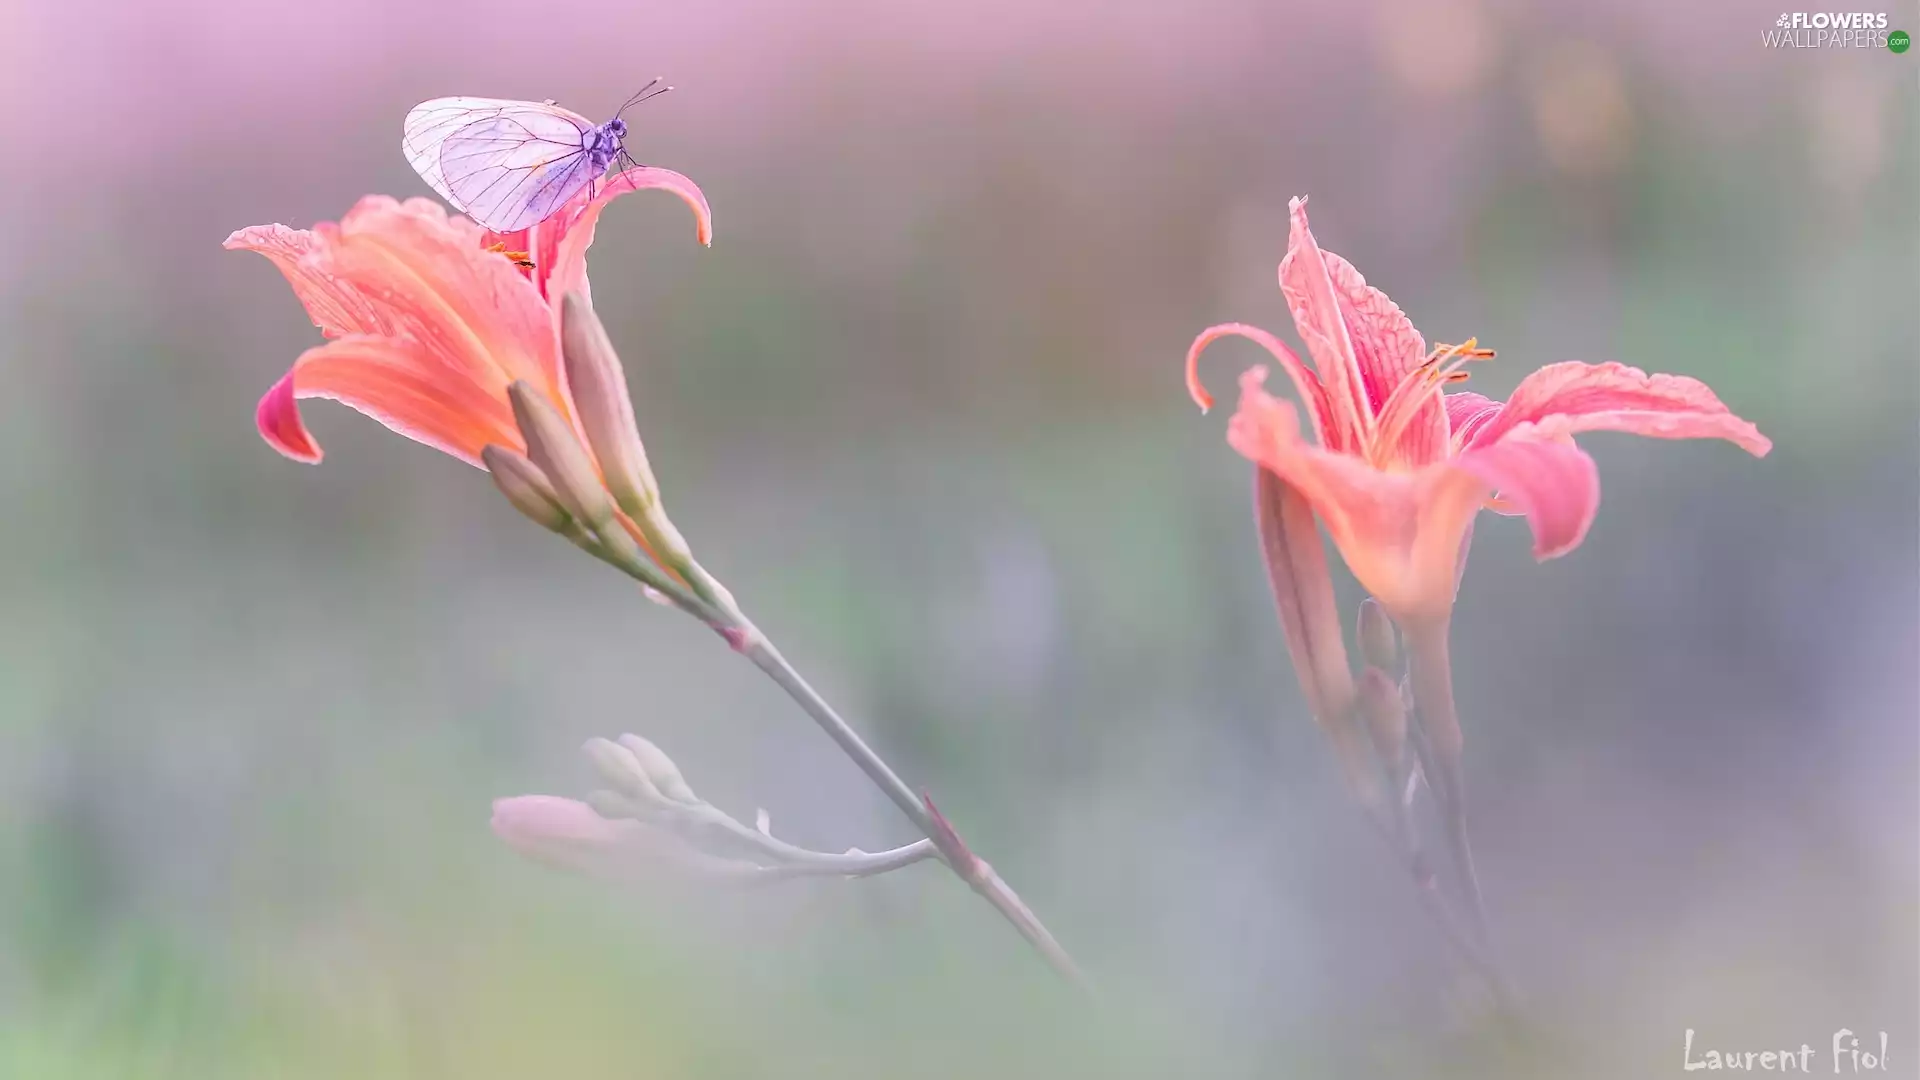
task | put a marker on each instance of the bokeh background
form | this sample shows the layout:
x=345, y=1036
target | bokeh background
x=920, y=406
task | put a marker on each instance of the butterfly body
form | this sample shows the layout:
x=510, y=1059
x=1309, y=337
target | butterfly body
x=509, y=164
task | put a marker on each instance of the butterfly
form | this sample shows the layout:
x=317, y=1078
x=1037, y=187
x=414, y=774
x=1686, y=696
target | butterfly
x=509, y=165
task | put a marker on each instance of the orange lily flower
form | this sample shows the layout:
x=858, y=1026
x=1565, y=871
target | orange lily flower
x=1398, y=469
x=431, y=318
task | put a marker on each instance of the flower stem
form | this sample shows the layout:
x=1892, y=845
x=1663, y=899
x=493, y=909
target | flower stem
x=1400, y=835
x=1431, y=673
x=619, y=550
x=953, y=851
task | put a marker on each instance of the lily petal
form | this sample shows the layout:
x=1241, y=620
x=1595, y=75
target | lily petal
x=396, y=383
x=1540, y=473
x=1307, y=283
x=1385, y=343
x=1615, y=397
x=1303, y=593
x=442, y=288
x=562, y=241
x=1374, y=517
x=1388, y=349
x=1304, y=381
x=335, y=306
x=1466, y=413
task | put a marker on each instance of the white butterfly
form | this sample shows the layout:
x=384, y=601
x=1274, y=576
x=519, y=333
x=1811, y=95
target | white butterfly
x=510, y=164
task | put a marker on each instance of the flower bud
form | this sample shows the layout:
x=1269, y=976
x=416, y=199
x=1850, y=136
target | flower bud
x=1303, y=592
x=560, y=832
x=1379, y=646
x=573, y=835
x=526, y=487
x=660, y=769
x=599, y=389
x=1385, y=714
x=552, y=446
x=618, y=766
x=617, y=807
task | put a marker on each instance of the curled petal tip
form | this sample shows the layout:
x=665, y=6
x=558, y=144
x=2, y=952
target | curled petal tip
x=1198, y=390
x=1195, y=388
x=648, y=176
x=1303, y=380
x=278, y=419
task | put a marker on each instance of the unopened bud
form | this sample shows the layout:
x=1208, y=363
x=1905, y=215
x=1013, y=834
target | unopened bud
x=1385, y=714
x=1378, y=643
x=599, y=389
x=552, y=446
x=526, y=487
x=614, y=806
x=660, y=769
x=559, y=832
x=618, y=766
x=1303, y=593
x=587, y=839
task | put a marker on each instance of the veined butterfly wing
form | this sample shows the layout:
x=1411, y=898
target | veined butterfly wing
x=506, y=164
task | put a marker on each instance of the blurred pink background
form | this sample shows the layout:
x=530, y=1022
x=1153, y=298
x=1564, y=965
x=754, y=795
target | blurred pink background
x=920, y=407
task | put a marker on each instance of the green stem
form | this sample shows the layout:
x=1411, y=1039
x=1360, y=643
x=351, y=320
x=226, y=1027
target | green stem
x=1431, y=673
x=953, y=851
x=619, y=550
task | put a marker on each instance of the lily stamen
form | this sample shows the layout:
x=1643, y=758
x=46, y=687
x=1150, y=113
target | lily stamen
x=521, y=259
x=1443, y=365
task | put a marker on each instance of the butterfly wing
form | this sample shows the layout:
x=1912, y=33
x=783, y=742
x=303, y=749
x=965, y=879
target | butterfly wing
x=506, y=164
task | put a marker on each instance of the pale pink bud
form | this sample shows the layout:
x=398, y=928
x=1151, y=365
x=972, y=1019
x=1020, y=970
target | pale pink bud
x=1385, y=714
x=552, y=446
x=1379, y=645
x=568, y=834
x=559, y=832
x=599, y=389
x=526, y=487
x=660, y=769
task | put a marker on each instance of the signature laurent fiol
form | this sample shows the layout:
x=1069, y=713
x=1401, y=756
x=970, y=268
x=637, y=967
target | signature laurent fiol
x=1848, y=1057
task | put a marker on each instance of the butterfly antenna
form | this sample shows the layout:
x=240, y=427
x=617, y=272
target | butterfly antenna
x=646, y=93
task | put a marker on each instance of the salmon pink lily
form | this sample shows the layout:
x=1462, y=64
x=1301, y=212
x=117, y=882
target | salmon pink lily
x=430, y=318
x=1398, y=468
x=485, y=346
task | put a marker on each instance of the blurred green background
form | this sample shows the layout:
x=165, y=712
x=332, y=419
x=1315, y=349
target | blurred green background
x=920, y=407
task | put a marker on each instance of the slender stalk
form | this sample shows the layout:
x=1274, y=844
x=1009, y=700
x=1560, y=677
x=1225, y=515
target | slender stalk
x=768, y=659
x=826, y=864
x=1431, y=673
x=953, y=851
x=616, y=548
x=1402, y=838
